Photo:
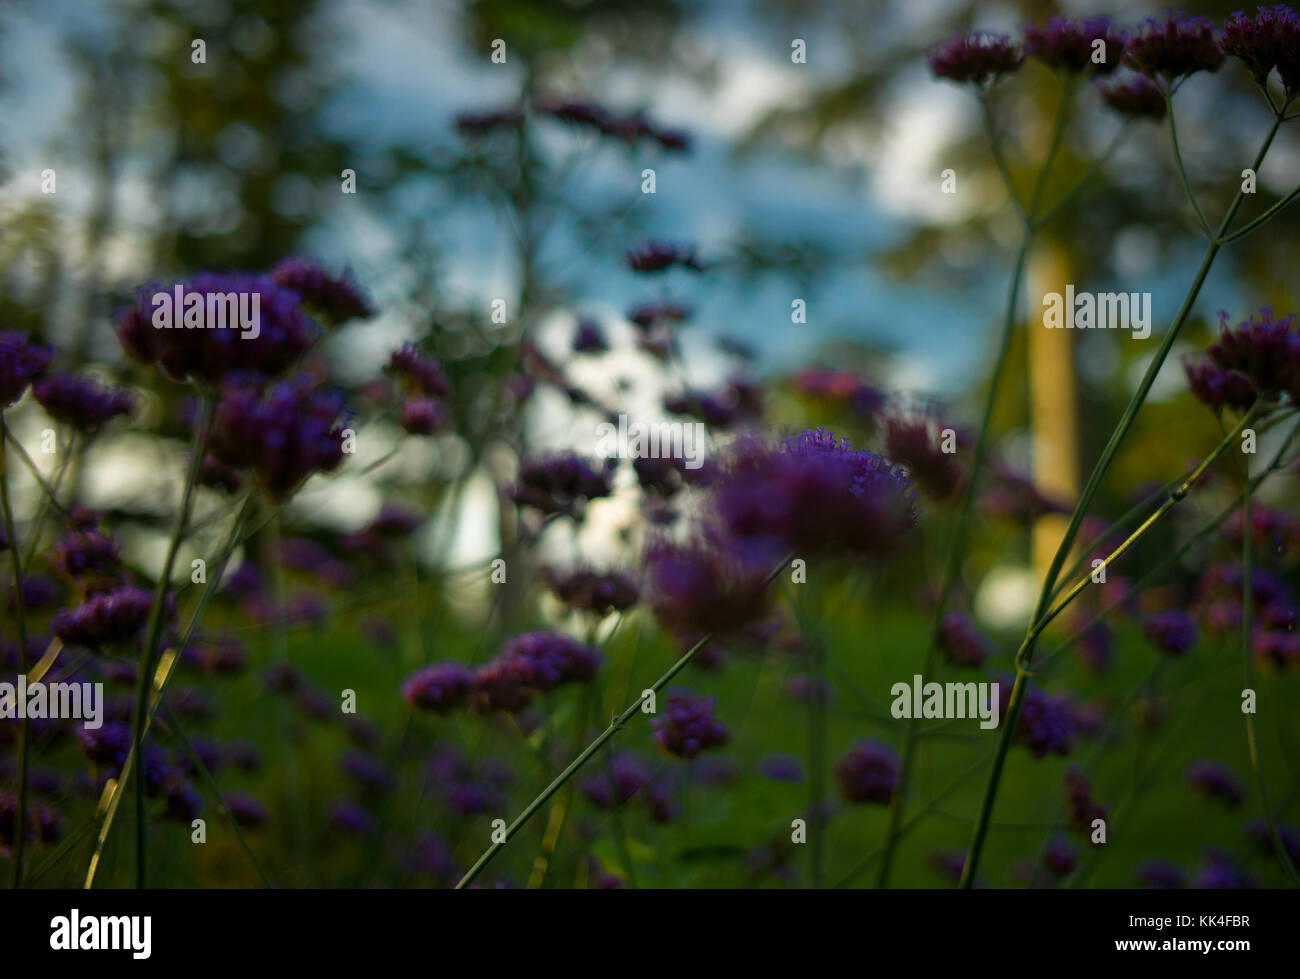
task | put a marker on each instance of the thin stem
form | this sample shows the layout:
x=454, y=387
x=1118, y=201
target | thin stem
x=20, y=614
x=160, y=686
x=1047, y=216
x=148, y=659
x=1182, y=171
x=615, y=725
x=995, y=146
x=1252, y=225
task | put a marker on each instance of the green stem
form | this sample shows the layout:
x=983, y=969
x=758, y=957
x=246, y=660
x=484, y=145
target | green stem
x=148, y=659
x=1182, y=171
x=615, y=725
x=20, y=614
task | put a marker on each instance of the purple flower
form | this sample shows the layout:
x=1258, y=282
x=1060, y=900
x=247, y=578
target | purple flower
x=782, y=768
x=1170, y=50
x=1213, y=780
x=194, y=346
x=421, y=374
x=529, y=664
x=975, y=58
x=1218, y=388
x=21, y=362
x=107, y=745
x=81, y=402
x=1081, y=808
x=282, y=434
x=1160, y=874
x=588, y=590
x=659, y=256
x=337, y=296
x=589, y=337
x=1060, y=857
x=1172, y=632
x=1136, y=97
x=183, y=804
x=815, y=494
x=370, y=774
x=561, y=484
x=1068, y=44
x=961, y=643
x=439, y=687
x=1219, y=871
x=1264, y=349
x=114, y=616
x=712, y=585
x=1047, y=723
x=423, y=416
x=86, y=552
x=867, y=772
x=247, y=811
x=1257, y=830
x=352, y=818
x=687, y=725
x=1271, y=39
x=627, y=776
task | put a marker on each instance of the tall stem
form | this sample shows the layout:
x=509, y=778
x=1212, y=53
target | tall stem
x=149, y=657
x=20, y=614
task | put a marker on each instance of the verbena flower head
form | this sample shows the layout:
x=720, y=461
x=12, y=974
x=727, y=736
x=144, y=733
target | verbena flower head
x=1136, y=97
x=562, y=484
x=1069, y=45
x=686, y=726
x=115, y=616
x=1214, y=780
x=247, y=810
x=1265, y=348
x=814, y=494
x=1170, y=50
x=867, y=772
x=85, y=552
x=628, y=774
x=423, y=416
x=711, y=584
x=976, y=58
x=530, y=664
x=21, y=362
x=1160, y=874
x=421, y=373
x=1218, y=388
x=1047, y=722
x=439, y=687
x=588, y=590
x=961, y=643
x=337, y=296
x=1270, y=39
x=282, y=433
x=195, y=347
x=659, y=256
x=81, y=402
x=1173, y=632
x=1081, y=808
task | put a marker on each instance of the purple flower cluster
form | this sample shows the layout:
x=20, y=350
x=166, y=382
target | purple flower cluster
x=1068, y=45
x=21, y=362
x=439, y=687
x=1081, y=809
x=1173, y=632
x=1170, y=50
x=337, y=296
x=868, y=772
x=1213, y=780
x=659, y=256
x=627, y=775
x=194, y=347
x=814, y=494
x=282, y=433
x=561, y=484
x=1135, y=97
x=708, y=586
x=687, y=725
x=961, y=643
x=109, y=617
x=531, y=664
x=976, y=58
x=1271, y=39
x=1047, y=723
x=589, y=590
x=631, y=128
x=81, y=402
